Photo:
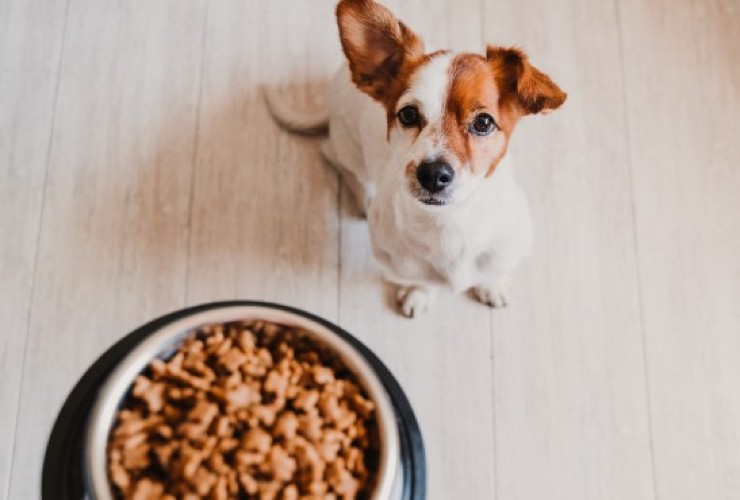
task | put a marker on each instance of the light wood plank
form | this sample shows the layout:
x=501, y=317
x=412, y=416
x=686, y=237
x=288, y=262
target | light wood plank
x=442, y=359
x=30, y=48
x=570, y=397
x=567, y=376
x=112, y=250
x=265, y=216
x=683, y=104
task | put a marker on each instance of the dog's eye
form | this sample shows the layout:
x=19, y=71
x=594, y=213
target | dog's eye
x=483, y=124
x=409, y=116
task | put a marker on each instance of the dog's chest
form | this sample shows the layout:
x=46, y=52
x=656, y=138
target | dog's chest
x=455, y=255
x=445, y=252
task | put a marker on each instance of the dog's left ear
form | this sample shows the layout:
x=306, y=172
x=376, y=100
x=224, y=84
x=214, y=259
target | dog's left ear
x=532, y=90
x=376, y=44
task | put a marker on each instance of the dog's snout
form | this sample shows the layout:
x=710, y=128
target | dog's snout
x=434, y=176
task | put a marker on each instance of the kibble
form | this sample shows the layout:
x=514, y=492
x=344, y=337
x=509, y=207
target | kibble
x=245, y=409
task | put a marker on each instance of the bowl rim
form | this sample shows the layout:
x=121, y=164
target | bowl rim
x=166, y=339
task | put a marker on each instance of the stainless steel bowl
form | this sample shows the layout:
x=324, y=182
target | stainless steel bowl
x=162, y=344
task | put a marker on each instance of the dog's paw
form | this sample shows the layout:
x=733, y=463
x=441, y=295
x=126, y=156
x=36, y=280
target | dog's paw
x=494, y=294
x=413, y=300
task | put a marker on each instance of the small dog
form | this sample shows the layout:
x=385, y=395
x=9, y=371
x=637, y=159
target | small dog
x=420, y=139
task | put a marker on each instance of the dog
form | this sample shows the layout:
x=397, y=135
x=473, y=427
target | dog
x=420, y=139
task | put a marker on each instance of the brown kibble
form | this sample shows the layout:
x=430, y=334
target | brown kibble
x=257, y=440
x=265, y=414
x=245, y=410
x=217, y=463
x=232, y=360
x=223, y=348
x=203, y=412
x=162, y=431
x=228, y=445
x=146, y=489
x=310, y=426
x=190, y=463
x=119, y=476
x=220, y=491
x=269, y=491
x=286, y=425
x=281, y=464
x=309, y=458
x=341, y=479
x=152, y=393
x=163, y=452
x=181, y=394
x=245, y=340
x=290, y=492
x=133, y=441
x=223, y=426
x=203, y=481
x=317, y=488
x=248, y=483
x=242, y=397
x=329, y=406
x=307, y=400
x=354, y=461
x=329, y=450
x=158, y=368
x=275, y=383
x=363, y=406
x=136, y=457
x=245, y=459
x=232, y=483
x=180, y=375
x=322, y=374
x=346, y=419
x=129, y=426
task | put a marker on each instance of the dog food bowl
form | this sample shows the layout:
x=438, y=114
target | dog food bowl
x=75, y=465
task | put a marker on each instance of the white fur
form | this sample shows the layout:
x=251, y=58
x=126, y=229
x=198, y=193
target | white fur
x=428, y=88
x=291, y=119
x=471, y=243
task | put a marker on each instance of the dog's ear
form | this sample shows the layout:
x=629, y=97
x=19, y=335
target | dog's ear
x=376, y=44
x=532, y=90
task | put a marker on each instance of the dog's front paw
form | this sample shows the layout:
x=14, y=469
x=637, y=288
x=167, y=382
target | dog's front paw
x=414, y=300
x=494, y=294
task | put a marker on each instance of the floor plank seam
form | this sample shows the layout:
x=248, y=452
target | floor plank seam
x=636, y=247
x=194, y=163
x=494, y=440
x=491, y=334
x=339, y=249
x=13, y=438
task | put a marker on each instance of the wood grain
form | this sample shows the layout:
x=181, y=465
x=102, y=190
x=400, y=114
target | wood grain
x=570, y=399
x=112, y=250
x=139, y=171
x=29, y=66
x=265, y=214
x=683, y=116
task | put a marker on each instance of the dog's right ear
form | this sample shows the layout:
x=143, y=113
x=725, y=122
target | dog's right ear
x=377, y=45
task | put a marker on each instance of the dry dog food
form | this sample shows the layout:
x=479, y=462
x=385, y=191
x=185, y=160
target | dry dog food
x=245, y=410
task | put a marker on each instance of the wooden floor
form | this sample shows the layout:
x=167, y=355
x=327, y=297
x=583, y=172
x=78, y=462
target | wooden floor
x=139, y=173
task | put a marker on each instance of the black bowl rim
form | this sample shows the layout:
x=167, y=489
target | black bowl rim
x=62, y=475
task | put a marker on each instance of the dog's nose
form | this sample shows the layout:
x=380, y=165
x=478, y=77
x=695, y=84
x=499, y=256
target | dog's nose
x=434, y=176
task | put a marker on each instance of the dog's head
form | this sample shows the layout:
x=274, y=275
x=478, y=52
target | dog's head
x=450, y=115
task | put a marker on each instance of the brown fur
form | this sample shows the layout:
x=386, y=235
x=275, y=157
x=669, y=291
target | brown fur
x=502, y=84
x=380, y=49
x=384, y=54
x=524, y=85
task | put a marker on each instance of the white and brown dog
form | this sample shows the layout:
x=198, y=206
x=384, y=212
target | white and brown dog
x=420, y=138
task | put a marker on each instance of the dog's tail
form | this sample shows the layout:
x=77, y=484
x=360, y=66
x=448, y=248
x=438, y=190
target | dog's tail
x=308, y=123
